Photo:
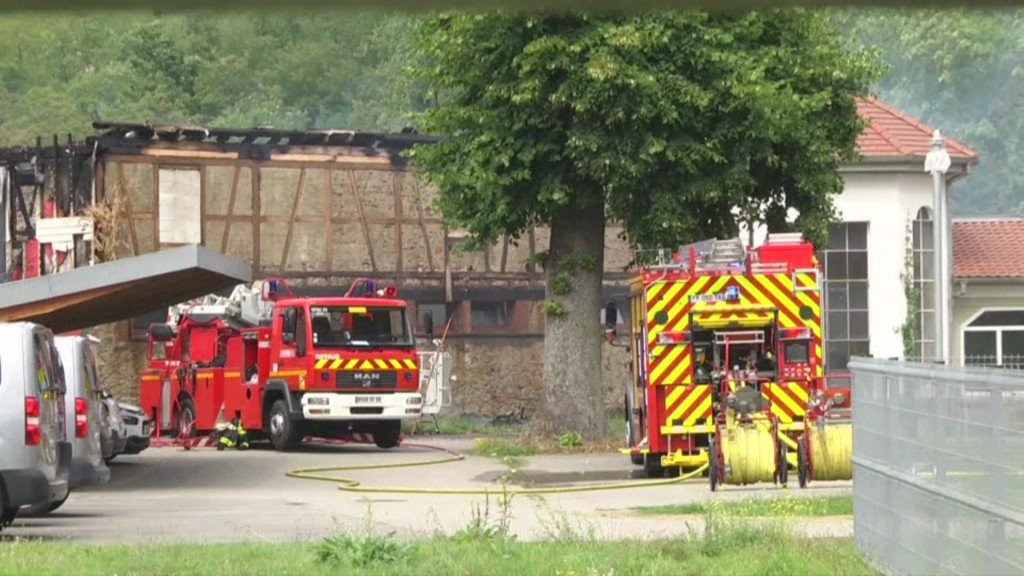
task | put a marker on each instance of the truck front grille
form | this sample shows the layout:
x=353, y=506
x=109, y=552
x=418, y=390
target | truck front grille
x=367, y=379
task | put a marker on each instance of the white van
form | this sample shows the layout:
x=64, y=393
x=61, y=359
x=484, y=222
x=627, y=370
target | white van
x=35, y=457
x=84, y=400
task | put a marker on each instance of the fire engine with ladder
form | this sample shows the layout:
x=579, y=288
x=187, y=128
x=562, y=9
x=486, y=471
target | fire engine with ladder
x=288, y=367
x=726, y=360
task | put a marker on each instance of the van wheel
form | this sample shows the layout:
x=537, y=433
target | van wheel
x=186, y=419
x=285, y=433
x=59, y=503
x=7, y=516
x=387, y=434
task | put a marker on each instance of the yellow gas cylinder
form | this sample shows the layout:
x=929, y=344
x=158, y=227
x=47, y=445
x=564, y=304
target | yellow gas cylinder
x=749, y=455
x=831, y=452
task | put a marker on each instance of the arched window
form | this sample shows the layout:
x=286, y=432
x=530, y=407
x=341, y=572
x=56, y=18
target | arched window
x=924, y=284
x=995, y=338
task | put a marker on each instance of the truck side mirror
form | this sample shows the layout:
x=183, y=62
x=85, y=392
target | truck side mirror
x=428, y=321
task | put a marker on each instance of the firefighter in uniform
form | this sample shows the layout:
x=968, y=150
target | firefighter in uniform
x=233, y=436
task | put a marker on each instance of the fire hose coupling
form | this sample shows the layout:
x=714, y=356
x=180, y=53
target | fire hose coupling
x=825, y=402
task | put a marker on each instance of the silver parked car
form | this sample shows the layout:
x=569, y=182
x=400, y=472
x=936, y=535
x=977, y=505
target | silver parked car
x=115, y=432
x=35, y=457
x=139, y=427
x=84, y=400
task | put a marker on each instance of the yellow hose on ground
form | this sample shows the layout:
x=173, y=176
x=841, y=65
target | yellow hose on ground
x=350, y=485
x=831, y=452
x=749, y=453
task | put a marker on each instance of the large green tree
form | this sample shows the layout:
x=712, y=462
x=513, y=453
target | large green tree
x=664, y=122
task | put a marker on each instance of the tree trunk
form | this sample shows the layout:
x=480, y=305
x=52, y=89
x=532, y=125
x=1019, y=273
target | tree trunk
x=573, y=334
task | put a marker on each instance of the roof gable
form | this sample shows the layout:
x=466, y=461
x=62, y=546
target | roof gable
x=991, y=248
x=893, y=134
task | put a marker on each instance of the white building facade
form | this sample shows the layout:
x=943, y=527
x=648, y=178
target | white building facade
x=878, y=263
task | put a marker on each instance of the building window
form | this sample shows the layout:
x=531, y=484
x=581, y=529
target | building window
x=846, y=295
x=924, y=284
x=426, y=310
x=995, y=338
x=490, y=314
x=180, y=201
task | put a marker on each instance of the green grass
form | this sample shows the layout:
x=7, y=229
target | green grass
x=510, y=452
x=725, y=549
x=463, y=425
x=762, y=507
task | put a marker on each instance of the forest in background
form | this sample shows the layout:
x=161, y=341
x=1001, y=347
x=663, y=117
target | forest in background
x=959, y=70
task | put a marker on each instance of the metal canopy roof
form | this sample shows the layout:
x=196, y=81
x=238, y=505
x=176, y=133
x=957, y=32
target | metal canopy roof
x=119, y=290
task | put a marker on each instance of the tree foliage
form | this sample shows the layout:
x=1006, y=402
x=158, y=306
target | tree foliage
x=666, y=122
x=959, y=70
x=672, y=119
x=238, y=70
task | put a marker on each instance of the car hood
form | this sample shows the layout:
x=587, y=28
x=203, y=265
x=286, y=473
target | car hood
x=132, y=409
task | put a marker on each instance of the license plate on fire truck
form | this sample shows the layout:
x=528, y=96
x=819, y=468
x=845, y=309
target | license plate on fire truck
x=368, y=400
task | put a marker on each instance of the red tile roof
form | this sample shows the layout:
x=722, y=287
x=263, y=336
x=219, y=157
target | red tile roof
x=992, y=248
x=893, y=134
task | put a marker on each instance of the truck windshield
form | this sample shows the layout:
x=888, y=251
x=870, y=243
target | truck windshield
x=377, y=326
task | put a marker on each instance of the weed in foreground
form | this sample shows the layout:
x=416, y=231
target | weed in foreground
x=483, y=527
x=363, y=549
x=725, y=534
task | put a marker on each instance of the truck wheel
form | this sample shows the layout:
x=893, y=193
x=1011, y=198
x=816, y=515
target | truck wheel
x=631, y=434
x=284, y=432
x=652, y=466
x=187, y=418
x=387, y=434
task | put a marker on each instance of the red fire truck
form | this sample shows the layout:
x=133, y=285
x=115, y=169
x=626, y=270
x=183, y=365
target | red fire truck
x=288, y=367
x=727, y=371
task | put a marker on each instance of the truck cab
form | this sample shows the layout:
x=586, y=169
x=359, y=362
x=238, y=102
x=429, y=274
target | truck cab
x=342, y=363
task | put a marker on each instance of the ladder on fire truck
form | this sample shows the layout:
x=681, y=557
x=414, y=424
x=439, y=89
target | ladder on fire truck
x=246, y=306
x=435, y=380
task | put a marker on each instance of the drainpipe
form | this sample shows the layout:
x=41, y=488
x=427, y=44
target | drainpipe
x=937, y=162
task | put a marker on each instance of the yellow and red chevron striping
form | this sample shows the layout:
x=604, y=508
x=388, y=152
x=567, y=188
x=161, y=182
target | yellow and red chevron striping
x=687, y=405
x=788, y=401
x=673, y=364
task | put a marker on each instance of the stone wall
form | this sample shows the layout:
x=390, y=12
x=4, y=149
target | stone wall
x=502, y=375
x=120, y=360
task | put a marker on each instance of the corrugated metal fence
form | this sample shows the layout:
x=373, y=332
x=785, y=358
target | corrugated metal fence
x=938, y=467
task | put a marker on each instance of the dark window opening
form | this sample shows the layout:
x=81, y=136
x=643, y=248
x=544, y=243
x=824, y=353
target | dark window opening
x=490, y=314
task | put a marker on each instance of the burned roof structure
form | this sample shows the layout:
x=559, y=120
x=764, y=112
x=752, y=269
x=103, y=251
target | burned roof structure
x=259, y=143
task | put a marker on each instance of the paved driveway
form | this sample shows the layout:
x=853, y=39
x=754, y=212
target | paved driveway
x=170, y=495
